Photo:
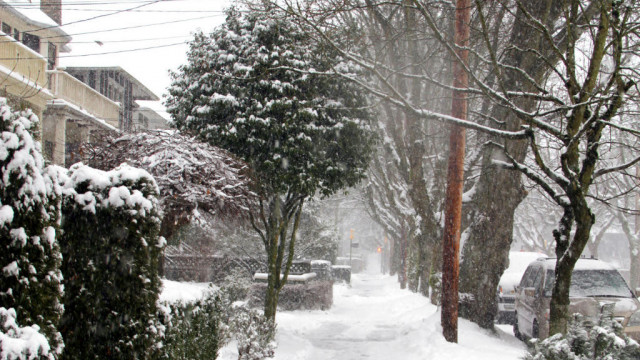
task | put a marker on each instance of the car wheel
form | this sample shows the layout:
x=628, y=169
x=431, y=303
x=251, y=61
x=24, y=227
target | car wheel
x=516, y=330
x=535, y=332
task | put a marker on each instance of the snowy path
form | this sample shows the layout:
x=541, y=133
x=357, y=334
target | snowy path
x=374, y=319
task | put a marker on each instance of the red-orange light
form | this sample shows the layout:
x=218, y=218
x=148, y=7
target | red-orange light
x=379, y=249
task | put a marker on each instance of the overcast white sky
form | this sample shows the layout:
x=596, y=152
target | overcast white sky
x=159, y=28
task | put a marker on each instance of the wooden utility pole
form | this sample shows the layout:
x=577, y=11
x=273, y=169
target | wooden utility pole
x=453, y=200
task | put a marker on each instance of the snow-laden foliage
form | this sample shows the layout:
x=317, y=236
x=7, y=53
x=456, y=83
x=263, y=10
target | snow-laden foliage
x=254, y=87
x=259, y=87
x=191, y=174
x=587, y=340
x=237, y=284
x=111, y=249
x=254, y=333
x=17, y=343
x=194, y=330
x=30, y=279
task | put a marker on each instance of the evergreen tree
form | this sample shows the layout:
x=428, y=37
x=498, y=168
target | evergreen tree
x=262, y=89
x=111, y=249
x=30, y=280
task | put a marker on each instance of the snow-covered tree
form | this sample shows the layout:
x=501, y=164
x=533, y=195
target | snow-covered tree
x=111, y=248
x=259, y=87
x=30, y=277
x=191, y=174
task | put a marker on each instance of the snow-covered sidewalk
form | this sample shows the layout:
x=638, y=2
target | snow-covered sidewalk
x=375, y=319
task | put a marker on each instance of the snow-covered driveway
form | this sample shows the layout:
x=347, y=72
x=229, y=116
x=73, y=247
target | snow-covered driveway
x=375, y=319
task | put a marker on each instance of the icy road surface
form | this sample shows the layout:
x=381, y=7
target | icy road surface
x=374, y=319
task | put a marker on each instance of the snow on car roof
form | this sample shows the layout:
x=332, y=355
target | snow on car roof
x=582, y=264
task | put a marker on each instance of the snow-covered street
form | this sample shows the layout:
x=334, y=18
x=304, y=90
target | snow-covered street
x=375, y=319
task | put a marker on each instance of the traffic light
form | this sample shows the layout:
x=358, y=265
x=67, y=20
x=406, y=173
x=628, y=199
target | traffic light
x=379, y=249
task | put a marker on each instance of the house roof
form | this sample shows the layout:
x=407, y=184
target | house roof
x=31, y=14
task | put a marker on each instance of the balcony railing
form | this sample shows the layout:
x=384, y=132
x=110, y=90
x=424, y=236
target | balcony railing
x=66, y=87
x=22, y=63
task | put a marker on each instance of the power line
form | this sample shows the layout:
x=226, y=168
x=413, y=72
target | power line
x=96, y=17
x=134, y=27
x=102, y=42
x=102, y=53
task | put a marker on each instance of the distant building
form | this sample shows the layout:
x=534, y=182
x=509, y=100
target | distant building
x=121, y=87
x=146, y=117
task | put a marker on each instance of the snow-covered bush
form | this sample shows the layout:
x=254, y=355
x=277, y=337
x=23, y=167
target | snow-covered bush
x=314, y=295
x=586, y=340
x=194, y=330
x=254, y=333
x=30, y=278
x=18, y=342
x=111, y=249
x=237, y=284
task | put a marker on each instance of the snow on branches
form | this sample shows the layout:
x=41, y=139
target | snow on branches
x=260, y=88
x=190, y=173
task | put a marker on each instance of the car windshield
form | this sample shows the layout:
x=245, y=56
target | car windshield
x=592, y=283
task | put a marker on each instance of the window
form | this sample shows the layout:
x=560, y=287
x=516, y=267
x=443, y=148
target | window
x=52, y=56
x=6, y=28
x=593, y=283
x=526, y=276
x=92, y=79
x=31, y=41
x=16, y=34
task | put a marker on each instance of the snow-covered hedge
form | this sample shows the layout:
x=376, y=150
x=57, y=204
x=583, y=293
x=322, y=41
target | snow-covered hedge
x=111, y=250
x=18, y=342
x=194, y=330
x=314, y=295
x=30, y=279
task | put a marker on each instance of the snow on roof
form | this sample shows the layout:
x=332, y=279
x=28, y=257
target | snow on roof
x=582, y=264
x=96, y=120
x=33, y=15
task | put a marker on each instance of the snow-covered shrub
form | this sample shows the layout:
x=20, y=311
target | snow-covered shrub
x=111, y=248
x=237, y=284
x=314, y=295
x=254, y=333
x=586, y=340
x=30, y=278
x=17, y=343
x=194, y=330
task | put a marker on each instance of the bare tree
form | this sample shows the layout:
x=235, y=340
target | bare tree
x=546, y=74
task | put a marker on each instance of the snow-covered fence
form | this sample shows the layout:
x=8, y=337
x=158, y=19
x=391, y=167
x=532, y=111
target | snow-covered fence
x=184, y=263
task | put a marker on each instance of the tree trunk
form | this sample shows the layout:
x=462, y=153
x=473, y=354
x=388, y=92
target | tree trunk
x=500, y=191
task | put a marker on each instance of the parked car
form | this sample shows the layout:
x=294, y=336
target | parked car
x=594, y=284
x=518, y=262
